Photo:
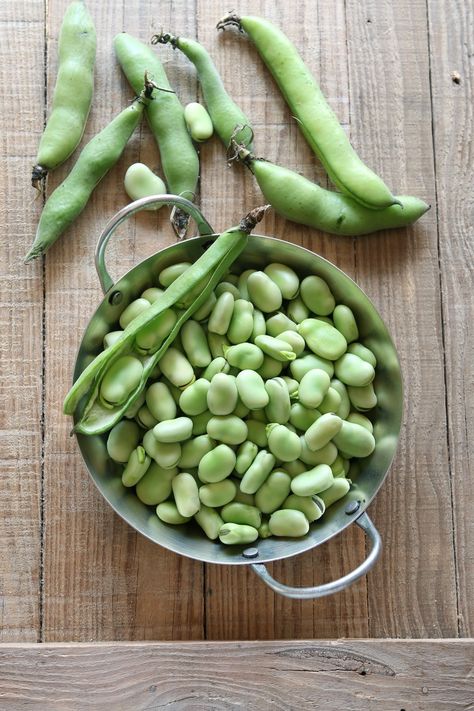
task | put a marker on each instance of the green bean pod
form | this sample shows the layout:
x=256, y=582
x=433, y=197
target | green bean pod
x=72, y=95
x=316, y=119
x=206, y=271
x=298, y=199
x=111, y=338
x=228, y=120
x=96, y=159
x=179, y=158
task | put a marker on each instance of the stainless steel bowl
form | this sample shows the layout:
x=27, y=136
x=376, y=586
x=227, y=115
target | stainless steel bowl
x=189, y=540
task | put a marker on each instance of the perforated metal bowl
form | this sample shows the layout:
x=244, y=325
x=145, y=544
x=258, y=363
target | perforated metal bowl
x=189, y=540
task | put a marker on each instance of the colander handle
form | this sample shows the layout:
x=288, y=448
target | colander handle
x=202, y=224
x=336, y=585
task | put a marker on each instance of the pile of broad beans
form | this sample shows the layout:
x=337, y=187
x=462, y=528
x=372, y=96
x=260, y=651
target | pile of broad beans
x=251, y=418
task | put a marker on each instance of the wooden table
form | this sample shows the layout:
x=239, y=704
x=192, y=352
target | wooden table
x=399, y=76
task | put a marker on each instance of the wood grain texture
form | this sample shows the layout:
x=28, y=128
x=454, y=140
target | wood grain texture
x=389, y=80
x=452, y=86
x=386, y=675
x=101, y=579
x=21, y=344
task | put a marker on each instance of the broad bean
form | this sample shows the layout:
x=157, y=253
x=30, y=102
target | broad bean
x=155, y=486
x=257, y=432
x=354, y=440
x=221, y=315
x=218, y=365
x=270, y=367
x=308, y=361
x=284, y=444
x=331, y=402
x=358, y=419
x=194, y=450
x=322, y=431
x=273, y=492
x=352, y=370
x=150, y=338
x=209, y=520
x=198, y=122
x=176, y=368
x=314, y=386
x=168, y=512
x=263, y=292
x=236, y=533
x=166, y=454
x=217, y=344
x=145, y=419
x=160, y=402
x=202, y=313
x=363, y=398
x=279, y=405
x=244, y=356
x=122, y=440
x=325, y=455
x=259, y=325
x=139, y=182
x=279, y=323
x=111, y=338
x=345, y=406
x=317, y=295
x=168, y=275
x=313, y=481
x=242, y=513
x=297, y=310
x=227, y=286
x=258, y=471
x=324, y=340
x=186, y=494
x=285, y=278
x=193, y=400
x=193, y=338
x=303, y=417
x=276, y=348
x=339, y=488
x=251, y=389
x=345, y=322
x=245, y=455
x=217, y=464
x=120, y=379
x=218, y=493
x=294, y=339
x=176, y=430
x=363, y=352
x=289, y=523
x=305, y=504
x=241, y=323
x=138, y=463
x=222, y=395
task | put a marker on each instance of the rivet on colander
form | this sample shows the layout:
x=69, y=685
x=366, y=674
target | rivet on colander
x=115, y=298
x=250, y=553
x=352, y=507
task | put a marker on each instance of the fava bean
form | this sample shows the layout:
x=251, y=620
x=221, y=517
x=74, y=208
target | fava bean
x=263, y=292
x=139, y=182
x=285, y=278
x=221, y=316
x=245, y=456
x=198, y=122
x=308, y=361
x=217, y=494
x=227, y=286
x=345, y=322
x=176, y=430
x=186, y=494
x=322, y=431
x=122, y=440
x=236, y=533
x=203, y=311
x=258, y=471
x=138, y=463
x=209, y=520
x=222, y=395
x=257, y=432
x=317, y=296
x=160, y=402
x=363, y=352
x=242, y=513
x=324, y=340
x=292, y=386
x=168, y=275
x=325, y=455
x=217, y=344
x=294, y=339
x=259, y=325
x=177, y=368
x=244, y=356
x=121, y=379
x=193, y=338
x=306, y=505
x=303, y=417
x=152, y=294
x=289, y=523
x=354, y=440
x=352, y=370
x=241, y=323
x=194, y=450
x=279, y=323
x=284, y=444
x=295, y=468
x=273, y=491
x=111, y=338
x=166, y=454
x=312, y=481
x=339, y=488
x=145, y=419
x=279, y=406
x=241, y=498
x=251, y=389
x=345, y=406
x=297, y=310
x=218, y=365
x=155, y=486
x=358, y=419
x=276, y=348
x=314, y=385
x=242, y=283
x=193, y=400
x=168, y=512
x=270, y=367
x=240, y=410
x=200, y=422
x=337, y=467
x=363, y=398
x=264, y=530
x=150, y=338
x=217, y=464
x=331, y=402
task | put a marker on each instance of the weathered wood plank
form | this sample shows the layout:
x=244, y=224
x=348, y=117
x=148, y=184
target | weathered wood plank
x=452, y=86
x=391, y=118
x=102, y=580
x=237, y=605
x=351, y=675
x=21, y=312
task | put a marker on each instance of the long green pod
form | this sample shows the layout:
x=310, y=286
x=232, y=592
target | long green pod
x=317, y=121
x=179, y=159
x=95, y=160
x=72, y=95
x=207, y=270
x=300, y=200
x=228, y=119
